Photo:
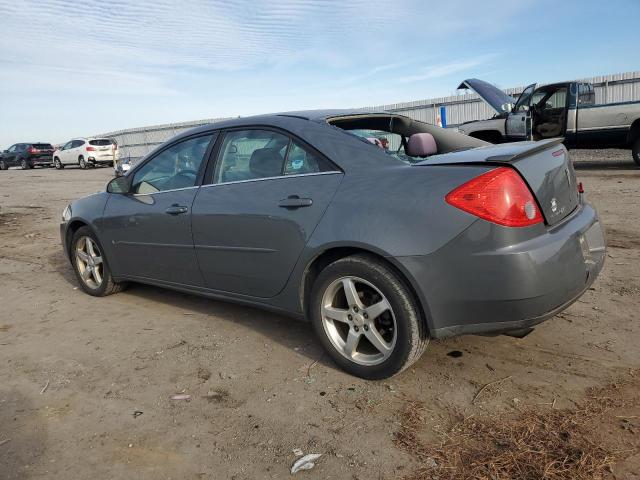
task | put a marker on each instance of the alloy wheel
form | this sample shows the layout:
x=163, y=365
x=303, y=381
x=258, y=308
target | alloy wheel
x=89, y=262
x=359, y=321
x=57, y=163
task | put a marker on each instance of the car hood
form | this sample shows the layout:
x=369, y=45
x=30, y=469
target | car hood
x=491, y=94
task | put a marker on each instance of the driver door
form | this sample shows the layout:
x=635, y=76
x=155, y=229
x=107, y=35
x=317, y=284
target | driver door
x=63, y=154
x=149, y=229
x=9, y=156
x=550, y=113
x=516, y=126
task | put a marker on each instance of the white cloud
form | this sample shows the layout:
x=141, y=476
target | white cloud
x=445, y=69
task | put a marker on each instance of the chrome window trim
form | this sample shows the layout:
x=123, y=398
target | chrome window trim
x=332, y=172
x=164, y=191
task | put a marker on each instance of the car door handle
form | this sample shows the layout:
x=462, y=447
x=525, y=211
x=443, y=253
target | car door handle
x=294, y=201
x=176, y=209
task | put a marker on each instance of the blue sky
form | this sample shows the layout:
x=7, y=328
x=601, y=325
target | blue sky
x=71, y=68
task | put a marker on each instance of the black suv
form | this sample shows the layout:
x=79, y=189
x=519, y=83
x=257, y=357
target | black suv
x=27, y=155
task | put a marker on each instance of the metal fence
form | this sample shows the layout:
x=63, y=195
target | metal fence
x=620, y=87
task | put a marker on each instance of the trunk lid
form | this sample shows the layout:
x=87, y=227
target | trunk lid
x=496, y=98
x=545, y=166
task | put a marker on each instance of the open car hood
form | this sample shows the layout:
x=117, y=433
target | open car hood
x=491, y=94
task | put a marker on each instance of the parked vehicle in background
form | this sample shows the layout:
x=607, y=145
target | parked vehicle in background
x=122, y=166
x=86, y=152
x=566, y=109
x=27, y=155
x=287, y=212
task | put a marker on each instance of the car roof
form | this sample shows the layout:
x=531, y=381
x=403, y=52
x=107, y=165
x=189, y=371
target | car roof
x=277, y=119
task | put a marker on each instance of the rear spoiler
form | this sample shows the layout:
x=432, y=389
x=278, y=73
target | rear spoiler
x=501, y=153
x=539, y=146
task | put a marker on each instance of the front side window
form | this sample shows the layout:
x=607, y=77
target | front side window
x=251, y=154
x=173, y=168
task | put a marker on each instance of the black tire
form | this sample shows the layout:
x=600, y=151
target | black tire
x=411, y=332
x=3, y=165
x=635, y=151
x=25, y=165
x=58, y=164
x=81, y=161
x=108, y=285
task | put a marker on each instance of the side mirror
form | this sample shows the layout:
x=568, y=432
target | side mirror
x=120, y=185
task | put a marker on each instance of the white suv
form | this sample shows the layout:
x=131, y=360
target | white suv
x=86, y=152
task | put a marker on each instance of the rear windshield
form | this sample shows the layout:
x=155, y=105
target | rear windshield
x=100, y=142
x=42, y=146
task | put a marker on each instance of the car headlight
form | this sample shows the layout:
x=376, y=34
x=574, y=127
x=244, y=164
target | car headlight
x=66, y=213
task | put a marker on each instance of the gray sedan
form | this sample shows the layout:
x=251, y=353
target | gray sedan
x=382, y=231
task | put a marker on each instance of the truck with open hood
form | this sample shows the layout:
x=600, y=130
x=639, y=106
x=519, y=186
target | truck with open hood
x=566, y=109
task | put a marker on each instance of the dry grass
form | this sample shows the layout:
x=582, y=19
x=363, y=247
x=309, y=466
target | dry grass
x=535, y=444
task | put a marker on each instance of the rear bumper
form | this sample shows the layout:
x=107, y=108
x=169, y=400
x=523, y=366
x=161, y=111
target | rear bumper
x=41, y=160
x=101, y=160
x=491, y=279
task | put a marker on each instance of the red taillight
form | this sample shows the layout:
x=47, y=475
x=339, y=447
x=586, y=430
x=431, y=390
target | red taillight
x=32, y=150
x=499, y=196
x=91, y=149
x=580, y=188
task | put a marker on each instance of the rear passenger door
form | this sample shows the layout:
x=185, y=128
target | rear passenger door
x=263, y=201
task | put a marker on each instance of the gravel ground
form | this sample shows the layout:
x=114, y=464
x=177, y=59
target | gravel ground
x=87, y=382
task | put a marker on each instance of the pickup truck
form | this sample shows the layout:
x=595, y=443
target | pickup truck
x=566, y=109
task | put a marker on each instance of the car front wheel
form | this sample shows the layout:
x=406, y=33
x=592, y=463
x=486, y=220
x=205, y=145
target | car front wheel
x=90, y=265
x=3, y=165
x=58, y=164
x=366, y=318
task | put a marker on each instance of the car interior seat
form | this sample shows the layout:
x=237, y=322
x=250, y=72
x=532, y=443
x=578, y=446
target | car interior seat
x=265, y=162
x=421, y=145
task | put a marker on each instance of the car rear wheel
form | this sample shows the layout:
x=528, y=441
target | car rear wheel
x=91, y=266
x=58, y=164
x=3, y=165
x=82, y=163
x=636, y=152
x=366, y=318
x=25, y=165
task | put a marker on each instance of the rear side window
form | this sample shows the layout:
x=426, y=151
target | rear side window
x=77, y=143
x=255, y=154
x=100, y=142
x=586, y=94
x=300, y=160
x=251, y=154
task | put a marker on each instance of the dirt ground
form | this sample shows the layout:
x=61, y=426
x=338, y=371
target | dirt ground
x=86, y=383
